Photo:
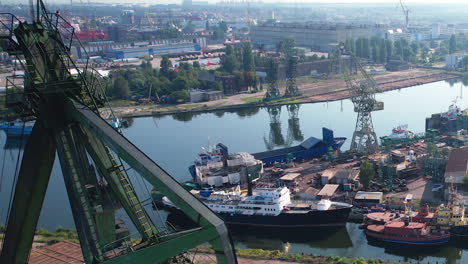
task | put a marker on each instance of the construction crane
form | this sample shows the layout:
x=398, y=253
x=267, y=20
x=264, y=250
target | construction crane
x=362, y=89
x=150, y=20
x=272, y=80
x=406, y=12
x=66, y=110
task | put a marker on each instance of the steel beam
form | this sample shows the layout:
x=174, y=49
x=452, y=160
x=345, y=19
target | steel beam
x=157, y=177
x=74, y=171
x=163, y=251
x=107, y=169
x=30, y=190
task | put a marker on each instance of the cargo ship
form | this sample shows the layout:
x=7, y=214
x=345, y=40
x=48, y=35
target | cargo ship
x=268, y=208
x=310, y=148
x=410, y=233
x=215, y=166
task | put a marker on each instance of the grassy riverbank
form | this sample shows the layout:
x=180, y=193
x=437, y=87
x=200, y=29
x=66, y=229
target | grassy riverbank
x=44, y=237
x=253, y=256
x=312, y=90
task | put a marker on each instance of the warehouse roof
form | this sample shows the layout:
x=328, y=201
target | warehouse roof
x=290, y=176
x=310, y=142
x=328, y=190
x=368, y=196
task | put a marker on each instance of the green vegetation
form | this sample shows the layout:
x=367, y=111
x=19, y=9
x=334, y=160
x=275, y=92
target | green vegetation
x=60, y=234
x=261, y=254
x=252, y=99
x=366, y=173
x=465, y=183
x=50, y=237
x=379, y=50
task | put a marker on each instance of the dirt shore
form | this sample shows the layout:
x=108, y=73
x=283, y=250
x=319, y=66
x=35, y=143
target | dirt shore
x=313, y=90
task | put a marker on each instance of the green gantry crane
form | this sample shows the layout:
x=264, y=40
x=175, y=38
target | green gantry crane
x=65, y=108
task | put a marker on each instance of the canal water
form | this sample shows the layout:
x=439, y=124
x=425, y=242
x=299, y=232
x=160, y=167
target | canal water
x=173, y=142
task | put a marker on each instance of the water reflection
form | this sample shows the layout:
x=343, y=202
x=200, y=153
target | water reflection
x=15, y=143
x=417, y=253
x=276, y=137
x=284, y=240
x=294, y=129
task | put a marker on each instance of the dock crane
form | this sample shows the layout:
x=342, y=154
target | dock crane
x=66, y=109
x=362, y=89
x=406, y=12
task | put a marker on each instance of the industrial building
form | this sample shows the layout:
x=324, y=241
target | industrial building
x=123, y=50
x=317, y=37
x=457, y=167
x=197, y=95
x=454, y=60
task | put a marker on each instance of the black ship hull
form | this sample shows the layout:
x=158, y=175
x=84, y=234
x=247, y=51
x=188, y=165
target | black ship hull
x=461, y=231
x=291, y=219
x=287, y=219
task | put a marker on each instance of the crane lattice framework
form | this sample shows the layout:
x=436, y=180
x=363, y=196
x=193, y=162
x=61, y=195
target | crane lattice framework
x=66, y=113
x=291, y=72
x=362, y=89
x=272, y=80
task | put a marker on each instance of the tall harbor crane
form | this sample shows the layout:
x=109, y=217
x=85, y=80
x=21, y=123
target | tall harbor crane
x=65, y=108
x=406, y=12
x=362, y=89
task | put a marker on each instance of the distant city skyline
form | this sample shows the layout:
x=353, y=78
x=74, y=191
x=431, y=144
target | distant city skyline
x=266, y=1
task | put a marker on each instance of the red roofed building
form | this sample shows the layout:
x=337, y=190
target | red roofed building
x=58, y=253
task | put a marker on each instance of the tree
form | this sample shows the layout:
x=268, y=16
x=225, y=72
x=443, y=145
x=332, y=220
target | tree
x=229, y=50
x=165, y=65
x=120, y=89
x=382, y=51
x=465, y=183
x=375, y=54
x=433, y=44
x=180, y=83
x=389, y=46
x=223, y=26
x=366, y=50
x=366, y=173
x=407, y=53
x=452, y=44
x=359, y=47
x=229, y=63
x=248, y=61
x=464, y=65
x=196, y=65
x=415, y=47
x=182, y=95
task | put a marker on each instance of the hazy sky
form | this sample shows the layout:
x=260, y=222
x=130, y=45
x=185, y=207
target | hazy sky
x=269, y=1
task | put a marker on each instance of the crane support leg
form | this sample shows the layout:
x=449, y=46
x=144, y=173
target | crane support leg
x=30, y=190
x=159, y=178
x=119, y=185
x=74, y=170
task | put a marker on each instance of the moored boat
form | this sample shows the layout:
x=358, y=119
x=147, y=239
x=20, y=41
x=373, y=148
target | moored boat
x=405, y=232
x=271, y=208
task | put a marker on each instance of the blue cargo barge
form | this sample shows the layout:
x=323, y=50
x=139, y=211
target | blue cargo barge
x=310, y=148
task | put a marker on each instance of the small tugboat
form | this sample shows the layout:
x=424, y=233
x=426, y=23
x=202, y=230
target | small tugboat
x=406, y=232
x=17, y=129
